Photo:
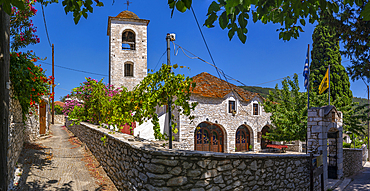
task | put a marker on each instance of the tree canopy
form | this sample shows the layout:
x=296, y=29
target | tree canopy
x=325, y=52
x=350, y=17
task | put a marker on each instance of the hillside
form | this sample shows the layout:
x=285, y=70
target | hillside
x=265, y=91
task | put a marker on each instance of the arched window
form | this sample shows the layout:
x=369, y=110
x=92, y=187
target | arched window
x=128, y=40
x=129, y=69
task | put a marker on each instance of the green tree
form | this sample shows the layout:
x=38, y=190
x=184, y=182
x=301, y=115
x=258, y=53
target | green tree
x=288, y=108
x=354, y=31
x=325, y=51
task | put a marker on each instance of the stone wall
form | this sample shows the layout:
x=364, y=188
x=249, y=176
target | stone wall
x=16, y=137
x=136, y=164
x=353, y=160
x=59, y=119
x=215, y=110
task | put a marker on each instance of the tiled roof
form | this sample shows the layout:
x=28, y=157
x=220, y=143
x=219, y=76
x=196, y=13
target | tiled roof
x=211, y=86
x=59, y=103
x=127, y=15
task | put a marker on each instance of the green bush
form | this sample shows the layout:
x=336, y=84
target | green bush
x=346, y=145
x=58, y=110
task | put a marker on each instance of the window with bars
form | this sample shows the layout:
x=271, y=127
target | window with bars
x=129, y=69
x=232, y=106
x=128, y=40
x=255, y=109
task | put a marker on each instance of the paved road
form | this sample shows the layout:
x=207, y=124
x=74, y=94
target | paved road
x=361, y=181
x=60, y=162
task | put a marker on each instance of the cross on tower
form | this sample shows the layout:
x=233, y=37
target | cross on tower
x=127, y=3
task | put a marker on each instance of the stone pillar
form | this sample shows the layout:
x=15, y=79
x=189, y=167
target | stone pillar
x=317, y=137
x=321, y=121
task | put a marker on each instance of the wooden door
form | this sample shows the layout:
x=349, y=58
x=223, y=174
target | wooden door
x=208, y=138
x=265, y=142
x=242, y=139
x=42, y=117
x=215, y=141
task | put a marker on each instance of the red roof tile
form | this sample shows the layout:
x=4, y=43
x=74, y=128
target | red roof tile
x=59, y=103
x=211, y=86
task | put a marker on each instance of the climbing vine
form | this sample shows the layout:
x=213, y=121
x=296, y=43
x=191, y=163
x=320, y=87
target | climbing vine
x=28, y=81
x=118, y=107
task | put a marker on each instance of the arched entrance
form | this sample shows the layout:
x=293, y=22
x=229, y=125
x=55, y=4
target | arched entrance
x=264, y=141
x=242, y=139
x=208, y=137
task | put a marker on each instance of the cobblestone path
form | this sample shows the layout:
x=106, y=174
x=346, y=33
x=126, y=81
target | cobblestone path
x=60, y=162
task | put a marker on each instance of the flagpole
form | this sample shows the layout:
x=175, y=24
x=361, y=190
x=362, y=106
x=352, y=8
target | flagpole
x=329, y=83
x=308, y=85
x=308, y=91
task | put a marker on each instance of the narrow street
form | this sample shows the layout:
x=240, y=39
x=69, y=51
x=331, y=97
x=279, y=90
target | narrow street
x=361, y=180
x=60, y=162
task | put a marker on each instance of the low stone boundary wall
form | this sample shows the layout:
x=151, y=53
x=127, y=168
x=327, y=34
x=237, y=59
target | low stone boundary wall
x=59, y=119
x=137, y=164
x=353, y=160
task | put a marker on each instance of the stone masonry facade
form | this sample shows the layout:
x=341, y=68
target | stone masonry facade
x=118, y=56
x=20, y=132
x=322, y=121
x=353, y=160
x=215, y=110
x=16, y=137
x=136, y=164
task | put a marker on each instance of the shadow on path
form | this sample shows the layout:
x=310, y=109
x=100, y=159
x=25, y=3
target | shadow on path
x=361, y=180
x=59, y=163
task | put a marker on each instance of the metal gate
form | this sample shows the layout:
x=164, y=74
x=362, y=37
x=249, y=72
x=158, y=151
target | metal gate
x=332, y=155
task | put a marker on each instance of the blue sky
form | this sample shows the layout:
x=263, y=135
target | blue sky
x=259, y=62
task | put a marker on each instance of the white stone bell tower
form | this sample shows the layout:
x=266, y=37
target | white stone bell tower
x=127, y=49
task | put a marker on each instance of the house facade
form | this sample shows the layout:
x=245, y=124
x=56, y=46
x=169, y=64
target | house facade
x=227, y=118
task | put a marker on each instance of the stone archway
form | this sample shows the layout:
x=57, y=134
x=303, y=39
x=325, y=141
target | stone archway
x=243, y=139
x=265, y=142
x=209, y=137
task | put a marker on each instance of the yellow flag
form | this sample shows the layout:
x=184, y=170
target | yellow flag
x=324, y=83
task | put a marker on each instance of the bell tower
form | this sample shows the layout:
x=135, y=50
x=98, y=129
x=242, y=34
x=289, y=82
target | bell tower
x=127, y=49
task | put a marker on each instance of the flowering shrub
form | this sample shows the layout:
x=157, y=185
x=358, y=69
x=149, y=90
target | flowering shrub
x=69, y=106
x=119, y=107
x=22, y=29
x=28, y=81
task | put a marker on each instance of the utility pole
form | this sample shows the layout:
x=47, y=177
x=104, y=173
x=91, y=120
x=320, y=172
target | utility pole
x=4, y=95
x=169, y=37
x=52, y=102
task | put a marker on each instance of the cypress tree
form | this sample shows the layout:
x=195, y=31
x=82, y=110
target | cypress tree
x=325, y=51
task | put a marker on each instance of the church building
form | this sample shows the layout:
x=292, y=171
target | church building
x=227, y=118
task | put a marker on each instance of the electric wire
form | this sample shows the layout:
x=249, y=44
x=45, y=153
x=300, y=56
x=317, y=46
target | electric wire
x=204, y=40
x=46, y=28
x=228, y=76
x=76, y=70
x=159, y=60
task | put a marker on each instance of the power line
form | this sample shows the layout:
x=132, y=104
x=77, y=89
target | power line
x=204, y=40
x=160, y=59
x=75, y=69
x=46, y=28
